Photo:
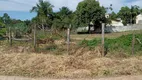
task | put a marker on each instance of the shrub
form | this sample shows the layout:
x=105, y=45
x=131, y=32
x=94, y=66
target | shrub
x=121, y=43
x=51, y=35
x=90, y=43
x=2, y=32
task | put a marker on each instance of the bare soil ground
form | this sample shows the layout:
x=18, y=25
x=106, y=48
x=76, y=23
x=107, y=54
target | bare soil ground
x=110, y=78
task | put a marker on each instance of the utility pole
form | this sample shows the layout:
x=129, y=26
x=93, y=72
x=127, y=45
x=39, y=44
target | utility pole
x=103, y=41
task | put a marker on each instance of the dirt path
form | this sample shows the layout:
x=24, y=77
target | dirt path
x=112, y=78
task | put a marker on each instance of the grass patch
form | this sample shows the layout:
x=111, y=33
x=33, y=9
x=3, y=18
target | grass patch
x=121, y=43
x=45, y=35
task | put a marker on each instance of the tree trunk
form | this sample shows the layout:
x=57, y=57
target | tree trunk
x=89, y=29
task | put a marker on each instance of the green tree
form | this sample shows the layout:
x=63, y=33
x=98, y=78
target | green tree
x=4, y=23
x=2, y=28
x=1, y=22
x=27, y=22
x=6, y=19
x=128, y=15
x=19, y=29
x=63, y=18
x=125, y=15
x=44, y=13
x=90, y=11
x=113, y=16
x=135, y=10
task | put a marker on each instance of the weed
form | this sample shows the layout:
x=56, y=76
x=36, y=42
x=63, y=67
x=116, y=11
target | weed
x=121, y=43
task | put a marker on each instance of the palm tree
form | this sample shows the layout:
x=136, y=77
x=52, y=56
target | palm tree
x=44, y=11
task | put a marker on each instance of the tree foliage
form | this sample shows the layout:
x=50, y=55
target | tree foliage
x=1, y=22
x=90, y=11
x=44, y=13
x=87, y=11
x=6, y=18
x=63, y=18
x=128, y=15
x=125, y=14
x=113, y=16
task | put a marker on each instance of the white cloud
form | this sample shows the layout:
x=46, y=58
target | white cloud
x=26, y=5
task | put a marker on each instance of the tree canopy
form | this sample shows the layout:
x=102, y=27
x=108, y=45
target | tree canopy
x=63, y=18
x=128, y=15
x=90, y=11
x=113, y=16
x=44, y=13
x=87, y=11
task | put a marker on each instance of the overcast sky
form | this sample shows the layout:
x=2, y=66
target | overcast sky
x=25, y=5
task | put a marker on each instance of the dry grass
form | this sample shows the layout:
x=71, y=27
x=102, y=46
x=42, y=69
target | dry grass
x=81, y=64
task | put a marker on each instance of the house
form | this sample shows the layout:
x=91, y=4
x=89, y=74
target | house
x=117, y=22
x=139, y=19
x=107, y=15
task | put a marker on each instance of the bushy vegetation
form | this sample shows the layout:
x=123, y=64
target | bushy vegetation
x=2, y=32
x=121, y=43
x=124, y=42
x=50, y=35
x=90, y=43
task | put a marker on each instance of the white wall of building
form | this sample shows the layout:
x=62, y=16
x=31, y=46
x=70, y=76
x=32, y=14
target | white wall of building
x=138, y=19
x=116, y=23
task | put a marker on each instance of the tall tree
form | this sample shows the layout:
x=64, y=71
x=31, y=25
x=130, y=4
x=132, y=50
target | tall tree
x=125, y=15
x=90, y=11
x=6, y=18
x=63, y=18
x=128, y=15
x=113, y=16
x=135, y=10
x=44, y=12
x=1, y=22
x=19, y=29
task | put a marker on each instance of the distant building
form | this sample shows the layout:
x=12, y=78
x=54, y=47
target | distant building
x=117, y=22
x=139, y=19
x=107, y=15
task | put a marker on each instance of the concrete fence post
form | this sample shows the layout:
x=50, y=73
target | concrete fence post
x=103, y=26
x=68, y=40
